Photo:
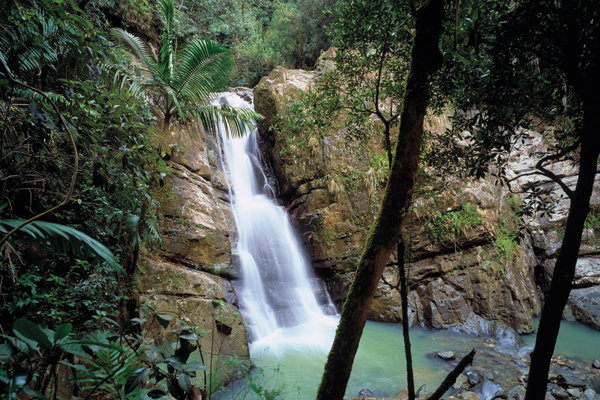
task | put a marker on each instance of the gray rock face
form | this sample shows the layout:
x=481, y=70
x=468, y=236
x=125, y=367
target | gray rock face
x=550, y=230
x=585, y=305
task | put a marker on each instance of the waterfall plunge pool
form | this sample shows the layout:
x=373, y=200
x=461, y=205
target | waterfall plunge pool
x=275, y=295
x=292, y=359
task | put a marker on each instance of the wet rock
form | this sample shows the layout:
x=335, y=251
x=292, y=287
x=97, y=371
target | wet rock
x=590, y=394
x=365, y=392
x=560, y=394
x=469, y=396
x=474, y=378
x=516, y=393
x=461, y=382
x=445, y=355
x=488, y=390
x=195, y=221
x=574, y=392
x=585, y=305
x=596, y=364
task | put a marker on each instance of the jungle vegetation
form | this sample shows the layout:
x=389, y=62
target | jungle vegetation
x=78, y=159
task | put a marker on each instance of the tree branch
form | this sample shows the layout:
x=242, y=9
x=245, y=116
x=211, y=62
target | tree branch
x=451, y=377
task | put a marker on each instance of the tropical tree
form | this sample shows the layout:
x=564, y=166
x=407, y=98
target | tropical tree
x=183, y=82
x=426, y=59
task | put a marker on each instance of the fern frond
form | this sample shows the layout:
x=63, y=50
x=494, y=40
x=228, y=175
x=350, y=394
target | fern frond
x=149, y=233
x=62, y=237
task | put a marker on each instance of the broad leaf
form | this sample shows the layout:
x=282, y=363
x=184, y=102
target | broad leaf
x=136, y=378
x=185, y=382
x=164, y=319
x=32, y=331
x=62, y=331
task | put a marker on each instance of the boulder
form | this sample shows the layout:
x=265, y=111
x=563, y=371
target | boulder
x=585, y=305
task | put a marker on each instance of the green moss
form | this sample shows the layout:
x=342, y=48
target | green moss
x=450, y=226
x=505, y=247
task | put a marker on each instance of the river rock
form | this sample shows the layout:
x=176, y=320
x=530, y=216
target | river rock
x=365, y=392
x=574, y=392
x=585, y=305
x=517, y=393
x=590, y=394
x=560, y=394
x=474, y=378
x=468, y=396
x=596, y=364
x=488, y=390
x=445, y=355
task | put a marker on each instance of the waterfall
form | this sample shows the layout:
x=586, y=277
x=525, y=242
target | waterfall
x=275, y=292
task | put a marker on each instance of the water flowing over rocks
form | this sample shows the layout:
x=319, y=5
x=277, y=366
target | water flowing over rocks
x=324, y=181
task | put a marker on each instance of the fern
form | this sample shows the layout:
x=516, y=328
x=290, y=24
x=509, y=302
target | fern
x=62, y=238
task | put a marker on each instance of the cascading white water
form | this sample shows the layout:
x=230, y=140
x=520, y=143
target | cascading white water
x=276, y=291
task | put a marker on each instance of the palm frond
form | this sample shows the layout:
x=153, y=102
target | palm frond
x=166, y=50
x=200, y=65
x=138, y=49
x=235, y=121
x=62, y=237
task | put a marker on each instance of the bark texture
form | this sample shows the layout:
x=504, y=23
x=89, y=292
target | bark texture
x=426, y=59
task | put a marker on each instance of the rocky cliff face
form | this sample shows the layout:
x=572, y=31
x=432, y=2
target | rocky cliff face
x=188, y=277
x=584, y=301
x=466, y=271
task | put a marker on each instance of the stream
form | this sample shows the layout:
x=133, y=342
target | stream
x=291, y=330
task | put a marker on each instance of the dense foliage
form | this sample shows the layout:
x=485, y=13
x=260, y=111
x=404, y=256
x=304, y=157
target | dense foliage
x=261, y=33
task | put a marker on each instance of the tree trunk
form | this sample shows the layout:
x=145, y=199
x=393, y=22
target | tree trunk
x=564, y=271
x=426, y=60
x=410, y=380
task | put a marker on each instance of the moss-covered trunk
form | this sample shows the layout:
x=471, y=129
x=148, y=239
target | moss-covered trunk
x=426, y=60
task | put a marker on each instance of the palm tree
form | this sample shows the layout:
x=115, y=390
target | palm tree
x=184, y=82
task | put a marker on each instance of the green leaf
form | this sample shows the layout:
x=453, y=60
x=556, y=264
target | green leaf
x=136, y=378
x=156, y=394
x=164, y=319
x=195, y=366
x=32, y=331
x=61, y=237
x=62, y=331
x=78, y=367
x=185, y=382
x=189, y=336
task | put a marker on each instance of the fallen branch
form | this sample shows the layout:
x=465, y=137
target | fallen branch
x=451, y=377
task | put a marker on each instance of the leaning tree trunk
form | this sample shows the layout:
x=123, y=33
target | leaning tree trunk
x=564, y=271
x=426, y=60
